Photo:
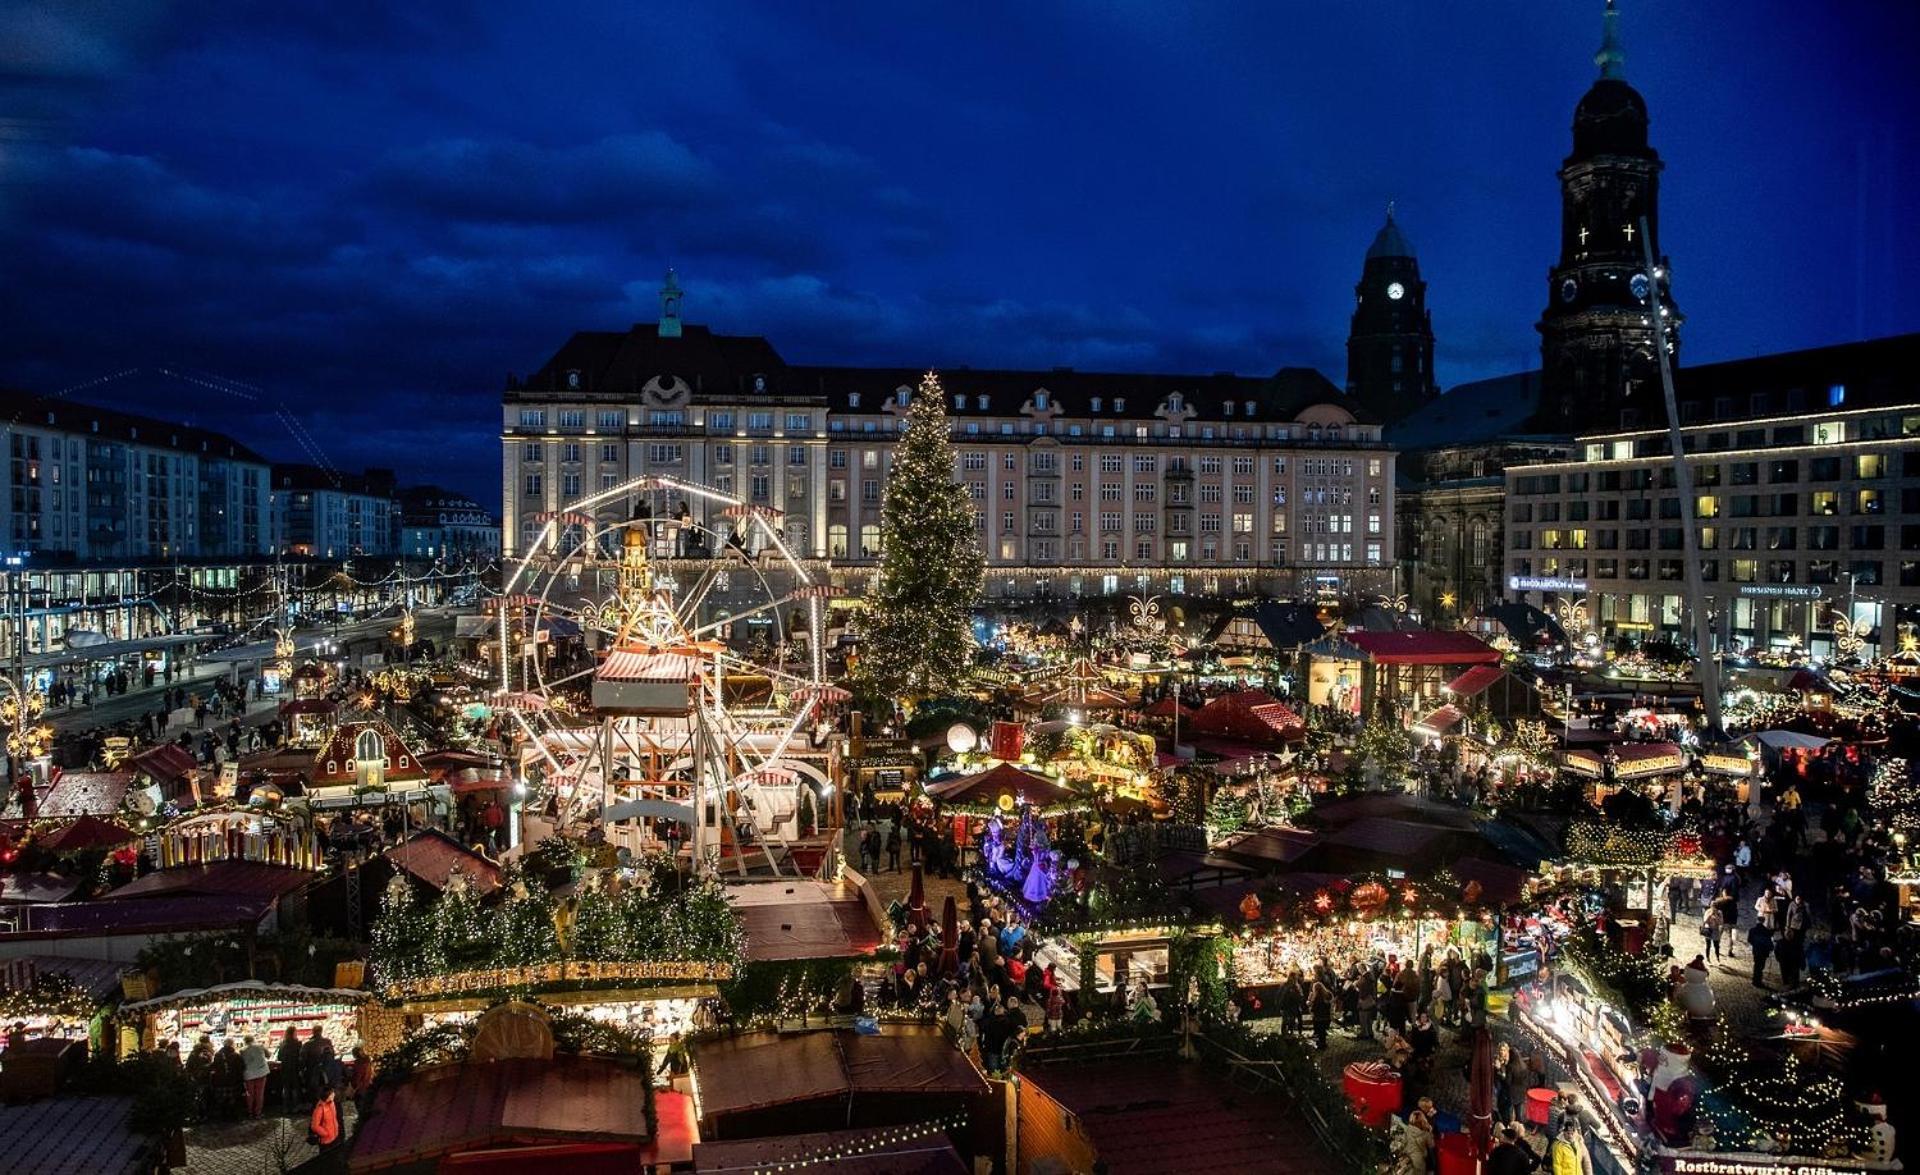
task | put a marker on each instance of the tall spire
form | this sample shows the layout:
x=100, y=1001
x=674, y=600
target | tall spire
x=1611, y=59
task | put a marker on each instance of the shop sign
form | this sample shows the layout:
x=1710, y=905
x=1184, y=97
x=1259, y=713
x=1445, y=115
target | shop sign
x=1544, y=583
x=1782, y=591
x=1687, y=1165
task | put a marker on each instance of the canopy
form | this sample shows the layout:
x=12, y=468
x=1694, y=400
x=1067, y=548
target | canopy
x=1440, y=721
x=1782, y=740
x=984, y=788
x=1474, y=681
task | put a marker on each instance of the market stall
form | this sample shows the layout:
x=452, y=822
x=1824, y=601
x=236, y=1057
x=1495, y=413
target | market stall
x=264, y=1011
x=252, y=833
x=51, y=998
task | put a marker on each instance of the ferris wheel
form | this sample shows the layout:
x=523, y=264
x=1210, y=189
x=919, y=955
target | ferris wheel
x=661, y=652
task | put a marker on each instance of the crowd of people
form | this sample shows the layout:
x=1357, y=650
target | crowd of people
x=239, y=1078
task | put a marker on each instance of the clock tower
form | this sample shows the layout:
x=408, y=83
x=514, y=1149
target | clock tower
x=1390, y=344
x=1598, y=364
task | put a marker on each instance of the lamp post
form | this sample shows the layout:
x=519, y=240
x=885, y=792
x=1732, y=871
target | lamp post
x=27, y=737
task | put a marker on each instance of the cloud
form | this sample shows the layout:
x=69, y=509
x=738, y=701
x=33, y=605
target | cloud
x=518, y=182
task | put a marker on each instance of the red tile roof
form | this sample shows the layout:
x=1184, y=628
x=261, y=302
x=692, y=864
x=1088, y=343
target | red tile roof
x=1423, y=648
x=75, y=1136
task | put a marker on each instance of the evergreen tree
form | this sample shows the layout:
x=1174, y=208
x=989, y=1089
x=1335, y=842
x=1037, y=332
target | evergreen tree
x=461, y=924
x=916, y=641
x=405, y=944
x=523, y=926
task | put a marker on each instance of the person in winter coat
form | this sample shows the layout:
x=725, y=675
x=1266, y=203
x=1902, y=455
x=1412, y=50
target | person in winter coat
x=1761, y=940
x=1711, y=924
x=1320, y=1005
x=323, y=1125
x=254, y=1069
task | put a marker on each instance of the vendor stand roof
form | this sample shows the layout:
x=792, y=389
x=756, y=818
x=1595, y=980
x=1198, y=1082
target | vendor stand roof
x=84, y=793
x=984, y=789
x=88, y=832
x=1154, y=1117
x=765, y=1071
x=165, y=763
x=803, y=920
x=75, y=1136
x=1250, y=716
x=433, y=857
x=521, y=1102
x=847, y=1152
x=1423, y=648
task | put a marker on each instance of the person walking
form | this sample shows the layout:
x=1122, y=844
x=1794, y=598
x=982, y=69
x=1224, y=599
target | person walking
x=254, y=1070
x=1760, y=938
x=1711, y=925
x=893, y=849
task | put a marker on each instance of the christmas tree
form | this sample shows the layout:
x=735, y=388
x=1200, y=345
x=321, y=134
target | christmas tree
x=916, y=640
x=406, y=944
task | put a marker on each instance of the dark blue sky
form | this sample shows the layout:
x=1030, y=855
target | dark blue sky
x=373, y=210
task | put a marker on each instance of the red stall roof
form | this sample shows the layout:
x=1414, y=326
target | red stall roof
x=929, y=1155
x=432, y=856
x=165, y=763
x=85, y=793
x=986, y=787
x=1474, y=681
x=1424, y=648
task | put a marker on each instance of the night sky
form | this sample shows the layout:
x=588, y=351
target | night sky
x=372, y=211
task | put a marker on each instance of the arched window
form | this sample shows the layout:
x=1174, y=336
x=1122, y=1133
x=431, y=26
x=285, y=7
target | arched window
x=369, y=747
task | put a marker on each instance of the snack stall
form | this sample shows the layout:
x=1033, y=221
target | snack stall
x=264, y=1011
x=1593, y=1042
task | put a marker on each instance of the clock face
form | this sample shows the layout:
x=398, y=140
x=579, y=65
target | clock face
x=1396, y=291
x=1569, y=290
x=1638, y=285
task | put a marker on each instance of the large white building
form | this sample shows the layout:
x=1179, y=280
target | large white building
x=1083, y=482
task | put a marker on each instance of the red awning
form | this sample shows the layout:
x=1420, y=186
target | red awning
x=986, y=788
x=308, y=706
x=1474, y=681
x=1441, y=720
x=1423, y=648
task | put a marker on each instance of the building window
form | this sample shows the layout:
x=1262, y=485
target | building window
x=533, y=485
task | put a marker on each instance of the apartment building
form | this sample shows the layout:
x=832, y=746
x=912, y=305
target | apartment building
x=326, y=514
x=1082, y=483
x=1802, y=519
x=91, y=484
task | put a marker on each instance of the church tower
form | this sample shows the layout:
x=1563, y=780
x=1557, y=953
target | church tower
x=1598, y=364
x=1390, y=344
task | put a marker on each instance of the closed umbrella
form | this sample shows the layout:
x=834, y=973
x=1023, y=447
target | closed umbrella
x=917, y=900
x=1480, y=1093
x=949, y=938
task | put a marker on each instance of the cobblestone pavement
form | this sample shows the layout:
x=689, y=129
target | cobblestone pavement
x=266, y=1146
x=892, y=887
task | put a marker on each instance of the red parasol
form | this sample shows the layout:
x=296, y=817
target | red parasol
x=1480, y=1093
x=949, y=938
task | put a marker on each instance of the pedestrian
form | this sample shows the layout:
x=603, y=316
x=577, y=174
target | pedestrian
x=255, y=1069
x=1320, y=1004
x=323, y=1125
x=1760, y=938
x=893, y=849
x=286, y=1061
x=1710, y=927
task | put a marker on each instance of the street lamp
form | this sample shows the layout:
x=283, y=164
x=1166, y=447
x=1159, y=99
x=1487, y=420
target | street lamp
x=27, y=737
